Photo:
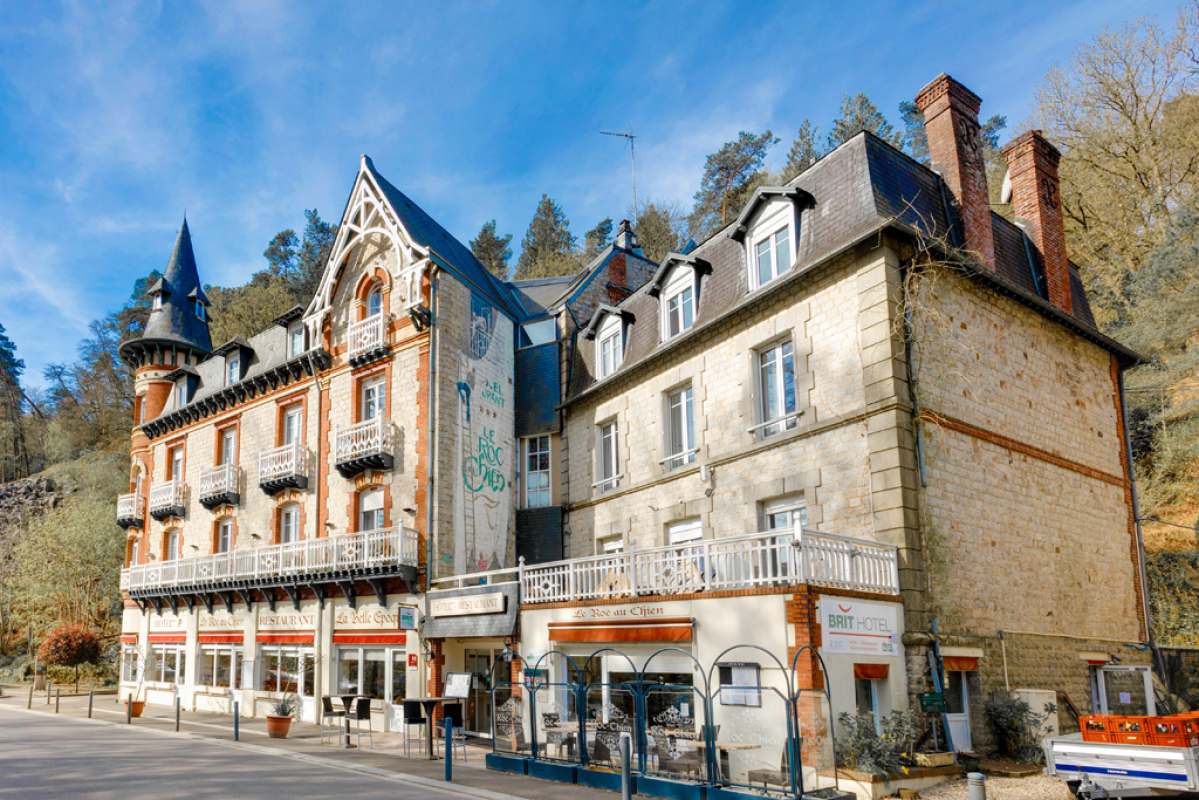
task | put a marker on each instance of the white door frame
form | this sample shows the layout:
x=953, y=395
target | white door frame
x=960, y=722
x=1101, y=687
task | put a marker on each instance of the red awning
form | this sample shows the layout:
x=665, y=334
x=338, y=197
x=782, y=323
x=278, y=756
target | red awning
x=168, y=637
x=366, y=637
x=128, y=638
x=221, y=638
x=961, y=663
x=662, y=629
x=298, y=637
x=870, y=672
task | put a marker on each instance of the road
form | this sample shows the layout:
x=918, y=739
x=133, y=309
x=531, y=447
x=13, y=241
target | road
x=58, y=757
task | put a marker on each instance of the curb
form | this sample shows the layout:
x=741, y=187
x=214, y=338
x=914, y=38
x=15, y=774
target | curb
x=378, y=772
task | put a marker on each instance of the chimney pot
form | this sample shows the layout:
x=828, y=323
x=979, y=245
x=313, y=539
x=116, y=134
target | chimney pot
x=1036, y=201
x=955, y=146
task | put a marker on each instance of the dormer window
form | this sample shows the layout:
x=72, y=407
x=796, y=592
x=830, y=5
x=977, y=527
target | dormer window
x=181, y=393
x=199, y=310
x=295, y=339
x=157, y=304
x=768, y=227
x=233, y=369
x=772, y=254
x=609, y=348
x=678, y=303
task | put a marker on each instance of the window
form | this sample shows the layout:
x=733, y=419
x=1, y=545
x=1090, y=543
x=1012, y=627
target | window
x=540, y=332
x=537, y=471
x=772, y=255
x=678, y=302
x=220, y=666
x=287, y=669
x=374, y=303
x=289, y=524
x=373, y=399
x=172, y=545
x=167, y=663
x=141, y=409
x=685, y=531
x=785, y=513
x=293, y=420
x=612, y=544
x=199, y=310
x=609, y=457
x=680, y=429
x=176, y=464
x=295, y=339
x=228, y=447
x=224, y=536
x=158, y=301
x=181, y=393
x=370, y=510
x=232, y=369
x=866, y=695
x=362, y=671
x=776, y=386
x=133, y=553
x=610, y=346
x=129, y=663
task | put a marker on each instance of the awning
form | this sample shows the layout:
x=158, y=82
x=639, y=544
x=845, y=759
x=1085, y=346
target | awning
x=293, y=637
x=129, y=638
x=870, y=672
x=960, y=664
x=661, y=629
x=159, y=638
x=368, y=637
x=221, y=638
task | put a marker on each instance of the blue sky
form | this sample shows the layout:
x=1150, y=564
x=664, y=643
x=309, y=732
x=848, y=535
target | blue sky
x=114, y=118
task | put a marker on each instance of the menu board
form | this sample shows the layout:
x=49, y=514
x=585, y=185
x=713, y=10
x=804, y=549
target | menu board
x=457, y=684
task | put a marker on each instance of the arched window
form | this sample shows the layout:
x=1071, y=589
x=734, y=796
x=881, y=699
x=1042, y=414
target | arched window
x=374, y=302
x=289, y=524
x=370, y=510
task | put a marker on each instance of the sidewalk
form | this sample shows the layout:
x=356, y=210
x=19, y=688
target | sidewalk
x=303, y=742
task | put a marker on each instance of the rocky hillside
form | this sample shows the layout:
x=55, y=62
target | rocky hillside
x=21, y=499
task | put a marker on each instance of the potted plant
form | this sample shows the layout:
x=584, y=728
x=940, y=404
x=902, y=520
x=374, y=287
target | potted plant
x=136, y=706
x=279, y=721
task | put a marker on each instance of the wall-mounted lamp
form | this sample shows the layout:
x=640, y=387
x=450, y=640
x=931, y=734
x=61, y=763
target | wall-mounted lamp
x=428, y=649
x=421, y=317
x=410, y=510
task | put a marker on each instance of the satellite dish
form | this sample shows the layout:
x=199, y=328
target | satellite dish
x=1005, y=194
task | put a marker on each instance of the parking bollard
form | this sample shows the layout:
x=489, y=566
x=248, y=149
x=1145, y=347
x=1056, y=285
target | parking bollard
x=236, y=720
x=976, y=784
x=177, y=702
x=449, y=750
x=30, y=703
x=90, y=697
x=57, y=697
x=47, y=694
x=129, y=710
x=626, y=754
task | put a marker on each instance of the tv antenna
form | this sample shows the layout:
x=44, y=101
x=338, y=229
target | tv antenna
x=628, y=134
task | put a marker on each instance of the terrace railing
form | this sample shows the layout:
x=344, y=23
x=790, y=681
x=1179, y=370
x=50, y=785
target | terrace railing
x=127, y=506
x=218, y=480
x=364, y=439
x=281, y=462
x=168, y=494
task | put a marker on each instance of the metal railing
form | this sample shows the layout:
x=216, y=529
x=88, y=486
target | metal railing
x=281, y=462
x=166, y=495
x=367, y=549
x=127, y=506
x=495, y=577
x=771, y=558
x=368, y=334
x=364, y=439
x=218, y=480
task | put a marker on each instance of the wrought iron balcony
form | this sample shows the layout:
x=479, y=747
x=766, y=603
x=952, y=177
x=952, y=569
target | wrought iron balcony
x=167, y=500
x=219, y=486
x=282, y=468
x=368, y=339
x=129, y=511
x=364, y=446
x=367, y=555
x=771, y=558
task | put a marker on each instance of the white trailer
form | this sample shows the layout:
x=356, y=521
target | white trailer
x=1096, y=770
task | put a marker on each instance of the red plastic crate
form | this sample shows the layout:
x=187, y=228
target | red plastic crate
x=1095, y=728
x=1162, y=740
x=1131, y=730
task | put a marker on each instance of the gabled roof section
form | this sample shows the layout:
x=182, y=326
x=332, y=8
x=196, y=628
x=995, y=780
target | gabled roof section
x=701, y=267
x=443, y=248
x=236, y=343
x=601, y=313
x=289, y=316
x=538, y=295
x=762, y=195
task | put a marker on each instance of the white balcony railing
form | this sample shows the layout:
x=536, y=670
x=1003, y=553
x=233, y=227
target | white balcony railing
x=218, y=480
x=127, y=507
x=166, y=495
x=281, y=462
x=364, y=439
x=366, y=550
x=368, y=334
x=771, y=558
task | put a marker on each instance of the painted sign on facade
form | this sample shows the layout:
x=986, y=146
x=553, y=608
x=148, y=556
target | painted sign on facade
x=373, y=617
x=490, y=603
x=485, y=459
x=168, y=624
x=218, y=623
x=291, y=621
x=859, y=627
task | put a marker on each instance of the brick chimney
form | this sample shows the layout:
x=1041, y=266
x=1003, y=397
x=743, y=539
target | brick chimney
x=951, y=121
x=1036, y=202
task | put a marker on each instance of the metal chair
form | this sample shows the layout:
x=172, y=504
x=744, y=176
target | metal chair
x=327, y=712
x=362, y=711
x=453, y=712
x=413, y=715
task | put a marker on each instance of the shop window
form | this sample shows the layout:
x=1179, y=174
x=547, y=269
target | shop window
x=362, y=671
x=220, y=666
x=286, y=669
x=167, y=663
x=537, y=471
x=129, y=663
x=370, y=510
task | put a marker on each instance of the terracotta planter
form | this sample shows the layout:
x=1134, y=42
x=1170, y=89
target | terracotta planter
x=136, y=707
x=277, y=727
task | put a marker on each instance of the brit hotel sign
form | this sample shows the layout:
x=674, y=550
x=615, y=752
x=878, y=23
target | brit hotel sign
x=463, y=605
x=858, y=627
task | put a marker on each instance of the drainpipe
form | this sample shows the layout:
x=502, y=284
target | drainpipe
x=431, y=440
x=1136, y=513
x=1003, y=646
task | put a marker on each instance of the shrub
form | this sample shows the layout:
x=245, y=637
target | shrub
x=95, y=674
x=1019, y=726
x=70, y=646
x=861, y=746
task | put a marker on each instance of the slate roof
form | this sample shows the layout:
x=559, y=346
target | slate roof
x=862, y=187
x=538, y=295
x=447, y=251
x=176, y=321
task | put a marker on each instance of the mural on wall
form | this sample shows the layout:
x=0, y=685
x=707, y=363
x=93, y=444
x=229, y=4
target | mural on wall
x=485, y=464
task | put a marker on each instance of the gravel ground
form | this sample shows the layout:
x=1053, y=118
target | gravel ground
x=1037, y=787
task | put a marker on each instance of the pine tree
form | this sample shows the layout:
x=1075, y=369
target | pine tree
x=548, y=247
x=492, y=251
x=857, y=114
x=804, y=151
x=597, y=239
x=730, y=175
x=14, y=457
x=661, y=229
x=915, y=139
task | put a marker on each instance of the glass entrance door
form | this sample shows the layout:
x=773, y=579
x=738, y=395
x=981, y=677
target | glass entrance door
x=1127, y=691
x=478, y=705
x=957, y=710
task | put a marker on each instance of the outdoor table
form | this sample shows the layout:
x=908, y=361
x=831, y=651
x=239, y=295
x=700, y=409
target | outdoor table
x=428, y=704
x=348, y=700
x=724, y=748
